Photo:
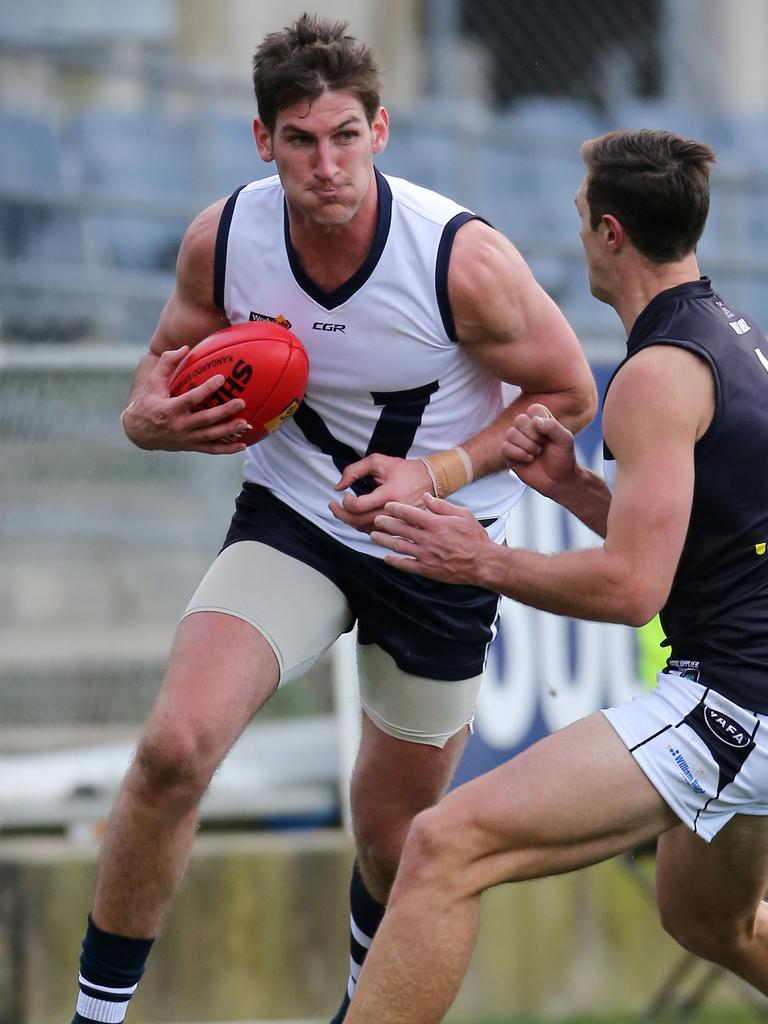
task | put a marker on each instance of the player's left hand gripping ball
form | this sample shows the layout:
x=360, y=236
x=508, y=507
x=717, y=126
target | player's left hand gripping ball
x=263, y=363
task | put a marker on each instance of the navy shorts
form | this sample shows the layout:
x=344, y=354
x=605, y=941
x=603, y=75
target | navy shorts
x=433, y=629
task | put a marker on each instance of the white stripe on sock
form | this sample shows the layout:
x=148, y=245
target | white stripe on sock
x=106, y=988
x=360, y=937
x=351, y=987
x=354, y=969
x=100, y=1010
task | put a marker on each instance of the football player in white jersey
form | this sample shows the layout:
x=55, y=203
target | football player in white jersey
x=438, y=310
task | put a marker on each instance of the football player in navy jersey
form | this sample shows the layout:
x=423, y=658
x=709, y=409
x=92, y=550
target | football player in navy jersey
x=684, y=516
x=434, y=310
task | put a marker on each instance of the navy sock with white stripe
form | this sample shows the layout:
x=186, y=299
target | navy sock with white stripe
x=110, y=969
x=365, y=918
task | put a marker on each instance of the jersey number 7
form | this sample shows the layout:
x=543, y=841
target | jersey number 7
x=395, y=430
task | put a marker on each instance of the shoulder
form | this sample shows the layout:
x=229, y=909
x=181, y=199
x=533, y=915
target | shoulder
x=663, y=368
x=262, y=190
x=199, y=241
x=669, y=389
x=481, y=255
x=488, y=279
x=423, y=202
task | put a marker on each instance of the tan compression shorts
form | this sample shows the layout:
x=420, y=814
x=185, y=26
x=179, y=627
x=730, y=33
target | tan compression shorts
x=300, y=613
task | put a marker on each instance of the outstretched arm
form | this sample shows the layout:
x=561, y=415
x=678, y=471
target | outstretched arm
x=658, y=405
x=152, y=419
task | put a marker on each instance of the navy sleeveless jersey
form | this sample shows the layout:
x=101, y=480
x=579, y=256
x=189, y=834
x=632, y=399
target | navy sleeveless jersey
x=716, y=617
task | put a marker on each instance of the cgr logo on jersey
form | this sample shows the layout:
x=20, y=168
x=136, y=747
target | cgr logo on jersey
x=263, y=318
x=725, y=728
x=318, y=325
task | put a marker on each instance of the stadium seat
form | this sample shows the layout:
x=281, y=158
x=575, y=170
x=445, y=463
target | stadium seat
x=225, y=154
x=30, y=151
x=425, y=155
x=141, y=158
x=632, y=112
x=133, y=153
x=566, y=122
x=31, y=164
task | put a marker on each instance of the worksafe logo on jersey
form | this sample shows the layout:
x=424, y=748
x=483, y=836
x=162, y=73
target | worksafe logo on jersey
x=685, y=771
x=263, y=318
x=725, y=729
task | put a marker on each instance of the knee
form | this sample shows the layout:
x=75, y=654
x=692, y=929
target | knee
x=719, y=941
x=379, y=840
x=170, y=767
x=434, y=856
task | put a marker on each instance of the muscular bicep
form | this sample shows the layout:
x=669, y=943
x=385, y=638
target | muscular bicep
x=652, y=418
x=507, y=322
x=648, y=518
x=190, y=314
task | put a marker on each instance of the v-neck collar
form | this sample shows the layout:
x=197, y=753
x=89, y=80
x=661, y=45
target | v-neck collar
x=330, y=300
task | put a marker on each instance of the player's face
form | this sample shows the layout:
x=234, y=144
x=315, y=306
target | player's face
x=590, y=239
x=324, y=153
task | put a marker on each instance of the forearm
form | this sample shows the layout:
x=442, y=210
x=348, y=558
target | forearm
x=148, y=362
x=574, y=408
x=580, y=584
x=586, y=496
x=145, y=368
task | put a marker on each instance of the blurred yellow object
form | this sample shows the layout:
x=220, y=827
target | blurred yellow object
x=650, y=656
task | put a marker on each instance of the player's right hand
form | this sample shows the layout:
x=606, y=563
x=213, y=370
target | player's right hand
x=540, y=451
x=156, y=422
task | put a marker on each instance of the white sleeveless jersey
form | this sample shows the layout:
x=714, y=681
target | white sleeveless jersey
x=385, y=371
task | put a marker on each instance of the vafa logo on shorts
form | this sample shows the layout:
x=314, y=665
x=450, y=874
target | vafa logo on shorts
x=725, y=728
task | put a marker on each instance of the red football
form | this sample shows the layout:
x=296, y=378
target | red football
x=264, y=363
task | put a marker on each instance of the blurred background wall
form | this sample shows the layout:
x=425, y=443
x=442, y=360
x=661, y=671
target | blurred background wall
x=118, y=122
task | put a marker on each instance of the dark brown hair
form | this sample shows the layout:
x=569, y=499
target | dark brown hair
x=655, y=183
x=305, y=59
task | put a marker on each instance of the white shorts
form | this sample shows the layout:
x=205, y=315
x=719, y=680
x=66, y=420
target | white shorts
x=706, y=756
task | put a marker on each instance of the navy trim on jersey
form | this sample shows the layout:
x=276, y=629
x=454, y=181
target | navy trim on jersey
x=441, y=269
x=220, y=250
x=330, y=300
